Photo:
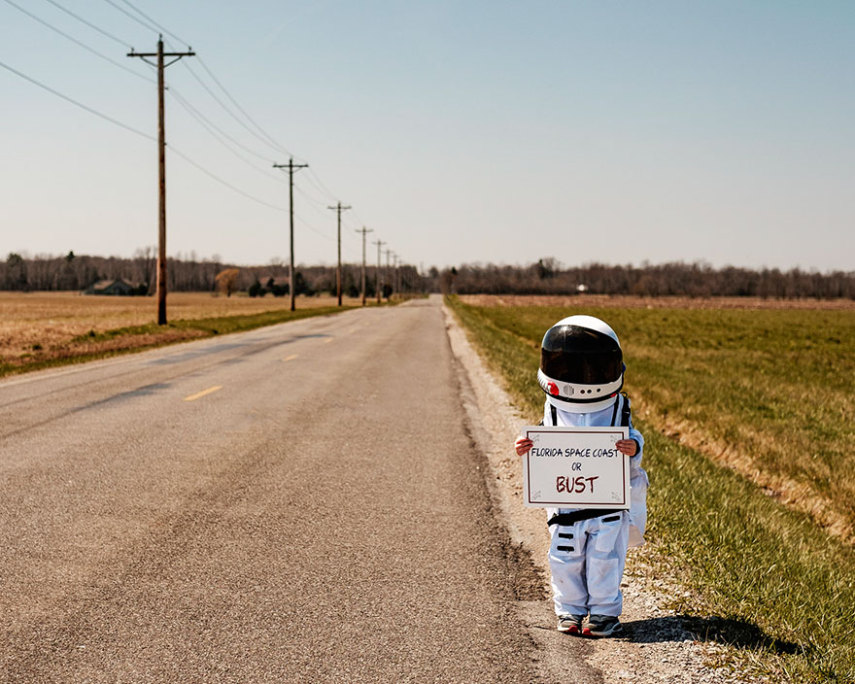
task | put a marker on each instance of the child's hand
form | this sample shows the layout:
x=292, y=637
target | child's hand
x=523, y=445
x=628, y=447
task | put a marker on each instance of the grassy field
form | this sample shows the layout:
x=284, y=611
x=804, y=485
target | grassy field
x=41, y=329
x=747, y=412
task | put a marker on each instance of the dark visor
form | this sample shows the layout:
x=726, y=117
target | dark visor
x=581, y=356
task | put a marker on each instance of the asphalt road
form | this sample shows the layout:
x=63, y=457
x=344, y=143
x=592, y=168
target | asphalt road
x=298, y=503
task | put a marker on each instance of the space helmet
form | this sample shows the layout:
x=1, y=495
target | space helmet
x=581, y=365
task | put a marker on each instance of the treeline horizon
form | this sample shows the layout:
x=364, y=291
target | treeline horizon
x=546, y=277
x=73, y=272
x=549, y=277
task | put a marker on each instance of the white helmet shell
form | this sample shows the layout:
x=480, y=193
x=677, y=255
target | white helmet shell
x=581, y=365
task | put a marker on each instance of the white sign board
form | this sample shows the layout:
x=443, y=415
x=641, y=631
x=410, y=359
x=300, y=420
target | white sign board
x=576, y=468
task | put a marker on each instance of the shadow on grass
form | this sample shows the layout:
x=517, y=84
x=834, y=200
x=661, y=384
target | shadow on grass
x=737, y=633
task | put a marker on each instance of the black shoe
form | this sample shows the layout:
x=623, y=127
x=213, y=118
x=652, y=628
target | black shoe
x=570, y=624
x=603, y=626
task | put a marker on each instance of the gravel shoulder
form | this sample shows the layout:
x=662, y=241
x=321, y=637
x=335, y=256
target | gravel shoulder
x=658, y=646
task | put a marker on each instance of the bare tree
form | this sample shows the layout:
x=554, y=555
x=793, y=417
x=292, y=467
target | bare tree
x=227, y=280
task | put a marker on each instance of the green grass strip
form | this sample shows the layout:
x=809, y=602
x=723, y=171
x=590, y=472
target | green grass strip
x=779, y=586
x=763, y=578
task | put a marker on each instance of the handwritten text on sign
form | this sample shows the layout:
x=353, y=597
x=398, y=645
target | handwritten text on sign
x=576, y=468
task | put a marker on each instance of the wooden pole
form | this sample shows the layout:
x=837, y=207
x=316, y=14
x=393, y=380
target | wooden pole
x=291, y=166
x=364, y=232
x=291, y=232
x=338, y=208
x=379, y=244
x=161, y=170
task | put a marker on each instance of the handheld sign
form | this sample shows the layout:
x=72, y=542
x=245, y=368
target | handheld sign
x=576, y=468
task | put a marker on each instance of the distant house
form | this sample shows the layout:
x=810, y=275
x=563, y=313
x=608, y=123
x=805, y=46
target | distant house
x=119, y=286
x=276, y=286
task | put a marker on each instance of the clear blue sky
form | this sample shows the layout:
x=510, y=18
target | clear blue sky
x=479, y=131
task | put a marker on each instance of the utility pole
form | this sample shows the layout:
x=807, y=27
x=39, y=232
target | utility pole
x=364, y=232
x=339, y=208
x=161, y=144
x=388, y=253
x=379, y=244
x=291, y=166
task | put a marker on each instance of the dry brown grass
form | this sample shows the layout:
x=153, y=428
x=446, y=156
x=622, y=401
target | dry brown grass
x=713, y=421
x=794, y=494
x=764, y=393
x=43, y=321
x=631, y=302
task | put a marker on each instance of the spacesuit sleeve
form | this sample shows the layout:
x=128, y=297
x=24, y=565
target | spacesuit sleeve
x=638, y=492
x=635, y=461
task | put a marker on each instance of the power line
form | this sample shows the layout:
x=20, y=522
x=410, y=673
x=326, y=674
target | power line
x=225, y=107
x=270, y=138
x=316, y=204
x=149, y=19
x=308, y=225
x=193, y=110
x=265, y=136
x=207, y=123
x=320, y=185
x=76, y=103
x=77, y=42
x=359, y=220
x=223, y=182
x=136, y=19
x=320, y=212
x=218, y=135
x=142, y=134
x=121, y=42
x=256, y=130
x=259, y=132
x=313, y=202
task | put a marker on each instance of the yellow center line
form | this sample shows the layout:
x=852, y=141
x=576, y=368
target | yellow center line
x=199, y=395
x=290, y=358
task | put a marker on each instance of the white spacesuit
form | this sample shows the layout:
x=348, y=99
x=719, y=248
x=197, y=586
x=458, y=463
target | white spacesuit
x=581, y=372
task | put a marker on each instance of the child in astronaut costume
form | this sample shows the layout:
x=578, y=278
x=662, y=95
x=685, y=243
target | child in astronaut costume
x=581, y=372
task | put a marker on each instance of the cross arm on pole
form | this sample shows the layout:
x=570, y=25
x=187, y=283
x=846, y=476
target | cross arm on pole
x=161, y=143
x=290, y=166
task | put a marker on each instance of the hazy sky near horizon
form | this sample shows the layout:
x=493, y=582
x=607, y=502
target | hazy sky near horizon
x=459, y=131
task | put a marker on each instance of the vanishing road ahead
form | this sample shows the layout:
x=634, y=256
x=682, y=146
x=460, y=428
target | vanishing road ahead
x=298, y=503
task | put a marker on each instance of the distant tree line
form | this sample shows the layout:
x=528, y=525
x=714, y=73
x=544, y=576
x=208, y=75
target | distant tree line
x=73, y=272
x=547, y=276
x=188, y=274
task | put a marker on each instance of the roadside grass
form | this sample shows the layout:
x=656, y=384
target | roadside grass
x=768, y=392
x=772, y=388
x=101, y=344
